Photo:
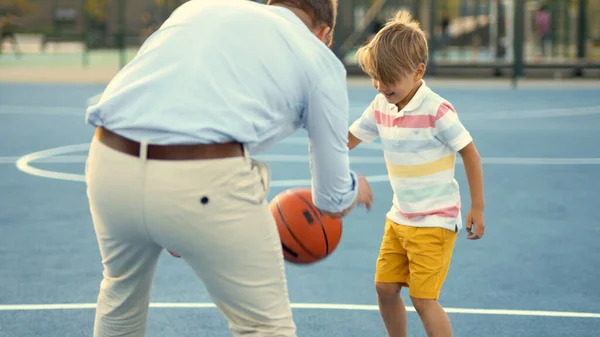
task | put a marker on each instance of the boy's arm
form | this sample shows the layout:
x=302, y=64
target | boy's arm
x=352, y=141
x=364, y=128
x=472, y=163
x=452, y=132
x=474, y=172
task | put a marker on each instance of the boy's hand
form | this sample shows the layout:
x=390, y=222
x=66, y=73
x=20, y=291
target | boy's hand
x=475, y=219
x=365, y=193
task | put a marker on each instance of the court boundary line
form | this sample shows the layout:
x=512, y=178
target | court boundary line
x=42, y=110
x=313, y=306
x=496, y=115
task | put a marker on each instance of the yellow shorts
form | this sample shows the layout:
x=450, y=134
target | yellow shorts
x=416, y=257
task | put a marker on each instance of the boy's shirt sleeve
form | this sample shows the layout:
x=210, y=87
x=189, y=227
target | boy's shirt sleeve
x=449, y=129
x=365, y=127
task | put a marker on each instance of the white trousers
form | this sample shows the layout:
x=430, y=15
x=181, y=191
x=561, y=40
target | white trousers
x=211, y=212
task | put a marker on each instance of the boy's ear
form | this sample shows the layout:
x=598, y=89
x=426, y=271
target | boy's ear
x=420, y=72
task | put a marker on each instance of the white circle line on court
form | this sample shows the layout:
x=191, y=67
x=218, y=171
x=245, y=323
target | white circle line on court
x=270, y=158
x=54, y=155
x=23, y=163
x=353, y=159
x=322, y=306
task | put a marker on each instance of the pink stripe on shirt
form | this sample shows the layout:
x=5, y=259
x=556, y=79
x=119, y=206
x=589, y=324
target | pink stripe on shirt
x=450, y=212
x=443, y=109
x=408, y=121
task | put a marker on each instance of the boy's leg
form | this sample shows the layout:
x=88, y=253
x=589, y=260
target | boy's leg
x=430, y=251
x=391, y=273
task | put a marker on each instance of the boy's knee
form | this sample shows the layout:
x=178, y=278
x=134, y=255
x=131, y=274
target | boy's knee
x=387, y=291
x=422, y=304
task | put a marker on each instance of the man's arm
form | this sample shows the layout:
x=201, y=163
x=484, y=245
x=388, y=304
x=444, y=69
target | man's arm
x=334, y=186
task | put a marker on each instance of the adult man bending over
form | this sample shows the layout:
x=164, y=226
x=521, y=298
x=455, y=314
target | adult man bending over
x=170, y=167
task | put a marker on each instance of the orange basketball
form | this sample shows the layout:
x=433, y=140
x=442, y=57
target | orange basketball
x=307, y=235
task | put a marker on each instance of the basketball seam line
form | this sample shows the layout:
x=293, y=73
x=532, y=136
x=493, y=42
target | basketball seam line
x=289, y=250
x=292, y=233
x=318, y=217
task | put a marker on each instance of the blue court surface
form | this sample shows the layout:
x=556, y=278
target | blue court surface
x=535, y=273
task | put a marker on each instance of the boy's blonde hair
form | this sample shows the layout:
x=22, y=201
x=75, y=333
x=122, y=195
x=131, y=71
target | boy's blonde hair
x=396, y=50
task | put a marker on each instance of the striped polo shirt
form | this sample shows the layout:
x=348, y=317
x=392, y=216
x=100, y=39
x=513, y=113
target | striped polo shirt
x=420, y=143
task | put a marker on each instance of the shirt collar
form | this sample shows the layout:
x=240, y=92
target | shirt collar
x=414, y=103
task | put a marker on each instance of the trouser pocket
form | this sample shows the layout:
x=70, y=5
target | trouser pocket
x=265, y=175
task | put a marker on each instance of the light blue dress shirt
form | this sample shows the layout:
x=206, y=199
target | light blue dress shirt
x=235, y=70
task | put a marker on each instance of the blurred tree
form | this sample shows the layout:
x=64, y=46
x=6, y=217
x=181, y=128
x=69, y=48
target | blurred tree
x=97, y=9
x=24, y=6
x=452, y=6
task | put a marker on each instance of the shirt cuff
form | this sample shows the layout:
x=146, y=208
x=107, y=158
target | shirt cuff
x=337, y=202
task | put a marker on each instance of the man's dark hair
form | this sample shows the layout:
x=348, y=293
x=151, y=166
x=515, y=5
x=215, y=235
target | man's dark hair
x=321, y=11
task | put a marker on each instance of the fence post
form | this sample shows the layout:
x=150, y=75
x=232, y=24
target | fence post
x=343, y=27
x=431, y=68
x=581, y=36
x=122, y=33
x=518, y=40
x=85, y=59
x=500, y=35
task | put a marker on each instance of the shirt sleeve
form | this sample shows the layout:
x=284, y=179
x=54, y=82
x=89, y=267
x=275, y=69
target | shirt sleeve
x=92, y=105
x=334, y=185
x=365, y=127
x=449, y=130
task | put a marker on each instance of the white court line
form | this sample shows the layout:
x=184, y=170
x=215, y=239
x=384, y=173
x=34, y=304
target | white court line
x=532, y=114
x=53, y=159
x=355, y=160
x=270, y=158
x=41, y=110
x=304, y=141
x=322, y=306
x=488, y=115
x=23, y=163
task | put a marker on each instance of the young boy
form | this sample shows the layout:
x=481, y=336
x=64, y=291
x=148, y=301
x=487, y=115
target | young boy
x=420, y=133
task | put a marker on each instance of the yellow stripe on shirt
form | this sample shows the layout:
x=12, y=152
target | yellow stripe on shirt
x=421, y=170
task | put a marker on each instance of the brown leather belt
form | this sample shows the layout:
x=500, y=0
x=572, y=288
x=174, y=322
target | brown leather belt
x=170, y=152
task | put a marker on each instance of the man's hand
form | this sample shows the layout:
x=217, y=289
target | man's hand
x=475, y=219
x=364, y=197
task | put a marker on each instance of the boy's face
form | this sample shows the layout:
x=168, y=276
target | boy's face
x=401, y=91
